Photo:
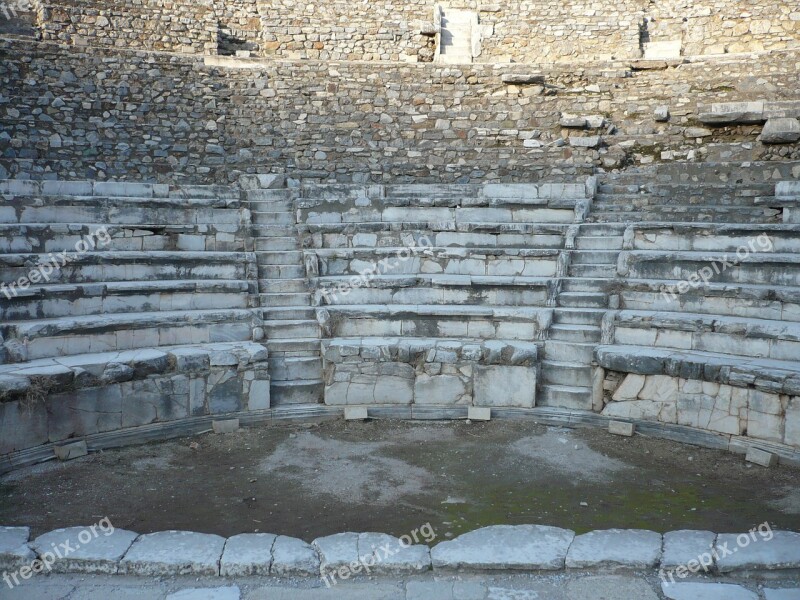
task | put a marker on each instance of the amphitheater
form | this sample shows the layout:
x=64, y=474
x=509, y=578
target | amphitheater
x=225, y=214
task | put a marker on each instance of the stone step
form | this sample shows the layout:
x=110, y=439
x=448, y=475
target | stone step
x=267, y=194
x=295, y=368
x=296, y=345
x=296, y=392
x=593, y=257
x=274, y=244
x=587, y=284
x=279, y=257
x=273, y=205
x=599, y=242
x=566, y=373
x=118, y=211
x=582, y=300
x=601, y=230
x=281, y=271
x=272, y=230
x=744, y=215
x=288, y=329
x=565, y=396
x=289, y=313
x=574, y=333
x=276, y=286
x=68, y=336
x=285, y=299
x=53, y=301
x=273, y=218
x=130, y=266
x=578, y=316
x=558, y=351
x=608, y=270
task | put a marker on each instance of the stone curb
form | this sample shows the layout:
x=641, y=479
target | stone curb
x=536, y=548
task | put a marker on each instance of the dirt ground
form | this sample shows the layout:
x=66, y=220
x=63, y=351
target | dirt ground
x=390, y=476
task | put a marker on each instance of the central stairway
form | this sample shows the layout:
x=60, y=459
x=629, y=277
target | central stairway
x=290, y=325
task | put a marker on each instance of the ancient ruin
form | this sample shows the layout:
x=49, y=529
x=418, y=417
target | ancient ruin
x=222, y=213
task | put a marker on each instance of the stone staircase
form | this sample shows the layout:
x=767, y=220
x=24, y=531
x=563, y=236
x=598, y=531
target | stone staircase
x=456, y=37
x=581, y=304
x=290, y=325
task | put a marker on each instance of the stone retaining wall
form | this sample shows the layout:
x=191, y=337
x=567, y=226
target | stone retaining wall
x=522, y=31
x=92, y=114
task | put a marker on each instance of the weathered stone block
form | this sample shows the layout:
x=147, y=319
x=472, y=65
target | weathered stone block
x=168, y=553
x=621, y=428
x=92, y=552
x=761, y=457
x=498, y=385
x=615, y=548
x=71, y=451
x=780, y=131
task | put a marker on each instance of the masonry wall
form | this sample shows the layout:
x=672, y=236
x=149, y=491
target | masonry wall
x=110, y=114
x=520, y=31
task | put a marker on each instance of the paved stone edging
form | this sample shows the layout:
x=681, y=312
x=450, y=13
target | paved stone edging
x=494, y=548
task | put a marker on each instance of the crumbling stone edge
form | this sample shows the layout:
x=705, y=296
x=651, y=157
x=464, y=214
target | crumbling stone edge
x=675, y=555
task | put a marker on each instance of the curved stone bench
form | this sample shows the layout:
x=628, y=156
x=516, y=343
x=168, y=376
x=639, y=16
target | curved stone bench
x=376, y=371
x=57, y=399
x=723, y=393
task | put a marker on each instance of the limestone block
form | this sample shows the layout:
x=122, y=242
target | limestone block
x=590, y=141
x=384, y=554
x=780, y=131
x=791, y=434
x=227, y=592
x=98, y=552
x=513, y=547
x=782, y=551
x=14, y=550
x=666, y=50
x=691, y=590
x=787, y=189
x=630, y=388
x=71, y=451
x=498, y=385
x=168, y=553
x=783, y=593
x=761, y=457
x=336, y=551
x=683, y=546
x=621, y=428
x=247, y=554
x=615, y=548
x=440, y=389
x=291, y=556
x=732, y=112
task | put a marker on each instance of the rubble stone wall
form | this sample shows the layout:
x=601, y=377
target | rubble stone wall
x=522, y=31
x=93, y=114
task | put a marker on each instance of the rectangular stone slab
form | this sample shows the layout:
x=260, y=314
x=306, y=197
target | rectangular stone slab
x=520, y=547
x=174, y=553
x=780, y=552
x=615, y=548
x=387, y=554
x=291, y=556
x=81, y=550
x=247, y=554
x=681, y=547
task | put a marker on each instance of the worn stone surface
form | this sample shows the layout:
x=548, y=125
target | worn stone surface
x=391, y=555
x=682, y=547
x=706, y=591
x=528, y=547
x=780, y=131
x=615, y=548
x=247, y=554
x=229, y=592
x=96, y=551
x=336, y=551
x=780, y=552
x=174, y=553
x=291, y=556
x=14, y=551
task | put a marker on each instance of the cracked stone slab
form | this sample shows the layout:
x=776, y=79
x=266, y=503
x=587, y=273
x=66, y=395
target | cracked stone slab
x=682, y=547
x=336, y=551
x=230, y=592
x=14, y=550
x=780, y=552
x=389, y=555
x=528, y=547
x=706, y=591
x=247, y=554
x=79, y=550
x=174, y=553
x=615, y=548
x=292, y=556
